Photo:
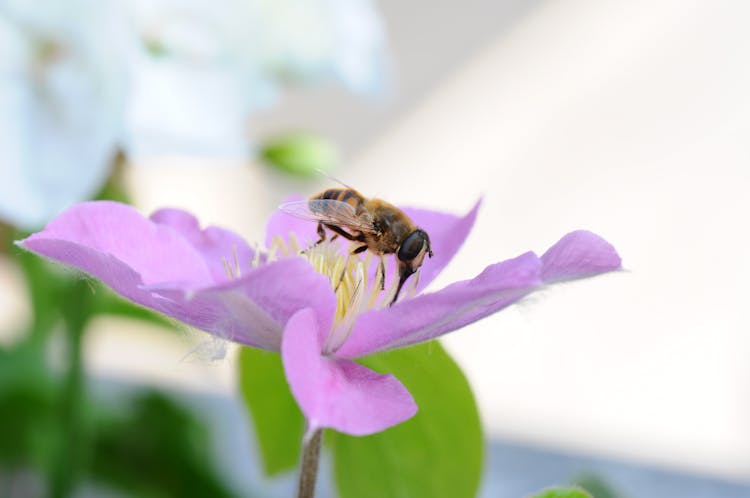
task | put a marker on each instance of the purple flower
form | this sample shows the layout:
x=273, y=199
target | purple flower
x=318, y=306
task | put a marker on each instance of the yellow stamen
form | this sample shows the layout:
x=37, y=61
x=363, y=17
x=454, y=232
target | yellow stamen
x=256, y=260
x=238, y=271
x=227, y=268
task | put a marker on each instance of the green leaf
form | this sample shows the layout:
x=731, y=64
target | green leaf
x=300, y=154
x=595, y=485
x=562, y=493
x=437, y=454
x=278, y=421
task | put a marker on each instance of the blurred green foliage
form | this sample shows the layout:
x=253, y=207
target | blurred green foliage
x=596, y=486
x=28, y=402
x=301, y=154
x=149, y=447
x=573, y=492
x=278, y=421
x=154, y=448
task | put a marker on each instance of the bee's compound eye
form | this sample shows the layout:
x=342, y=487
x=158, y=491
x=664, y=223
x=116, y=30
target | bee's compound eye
x=412, y=245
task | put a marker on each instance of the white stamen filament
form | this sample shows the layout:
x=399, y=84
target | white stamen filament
x=231, y=271
x=236, y=261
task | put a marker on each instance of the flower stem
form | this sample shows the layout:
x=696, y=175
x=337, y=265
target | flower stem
x=309, y=466
x=67, y=470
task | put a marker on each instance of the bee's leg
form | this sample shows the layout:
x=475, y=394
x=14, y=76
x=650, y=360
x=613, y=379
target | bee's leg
x=416, y=280
x=321, y=233
x=340, y=231
x=359, y=249
x=401, y=281
x=381, y=270
x=403, y=273
x=343, y=274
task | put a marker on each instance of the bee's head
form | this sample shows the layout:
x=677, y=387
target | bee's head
x=410, y=255
x=412, y=250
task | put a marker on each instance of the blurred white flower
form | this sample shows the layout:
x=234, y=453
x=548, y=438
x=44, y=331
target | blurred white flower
x=199, y=68
x=80, y=78
x=313, y=40
x=190, y=93
x=61, y=99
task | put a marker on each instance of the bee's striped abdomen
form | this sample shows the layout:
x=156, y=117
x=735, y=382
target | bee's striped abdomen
x=347, y=195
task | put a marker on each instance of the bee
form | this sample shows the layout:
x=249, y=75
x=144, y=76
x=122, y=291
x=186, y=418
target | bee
x=376, y=224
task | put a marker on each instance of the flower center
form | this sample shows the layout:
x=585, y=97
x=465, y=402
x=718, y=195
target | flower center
x=355, y=281
x=47, y=51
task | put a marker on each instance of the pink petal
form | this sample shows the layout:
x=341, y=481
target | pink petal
x=254, y=309
x=119, y=276
x=579, y=254
x=447, y=234
x=120, y=235
x=153, y=265
x=434, y=314
x=336, y=393
x=222, y=250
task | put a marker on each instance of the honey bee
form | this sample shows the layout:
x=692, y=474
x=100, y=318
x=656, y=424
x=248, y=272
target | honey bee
x=378, y=225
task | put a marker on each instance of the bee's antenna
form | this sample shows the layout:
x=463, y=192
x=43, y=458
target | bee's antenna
x=333, y=178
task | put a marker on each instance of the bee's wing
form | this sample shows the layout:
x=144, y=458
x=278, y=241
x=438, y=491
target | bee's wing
x=331, y=212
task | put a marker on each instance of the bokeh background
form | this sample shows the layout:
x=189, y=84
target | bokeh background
x=630, y=119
